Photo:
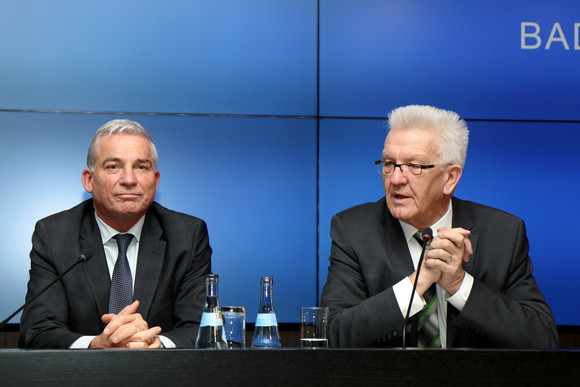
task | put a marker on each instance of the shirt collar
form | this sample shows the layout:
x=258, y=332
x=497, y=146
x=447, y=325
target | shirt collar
x=445, y=221
x=108, y=232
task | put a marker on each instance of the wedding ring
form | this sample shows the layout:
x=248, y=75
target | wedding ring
x=142, y=328
x=449, y=259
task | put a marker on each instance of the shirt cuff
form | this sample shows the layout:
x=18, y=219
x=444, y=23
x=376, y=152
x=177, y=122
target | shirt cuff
x=82, y=342
x=403, y=290
x=460, y=297
x=166, y=343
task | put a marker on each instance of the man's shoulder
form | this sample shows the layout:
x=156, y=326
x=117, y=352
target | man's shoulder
x=171, y=218
x=480, y=208
x=71, y=215
x=478, y=212
x=366, y=211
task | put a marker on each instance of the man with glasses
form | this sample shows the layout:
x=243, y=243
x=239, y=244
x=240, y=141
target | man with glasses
x=476, y=269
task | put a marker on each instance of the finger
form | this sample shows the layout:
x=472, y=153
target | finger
x=129, y=330
x=156, y=344
x=443, y=260
x=123, y=326
x=441, y=253
x=468, y=247
x=130, y=309
x=116, y=321
x=143, y=336
x=106, y=318
x=459, y=237
x=460, y=230
x=136, y=345
x=110, y=317
x=455, y=235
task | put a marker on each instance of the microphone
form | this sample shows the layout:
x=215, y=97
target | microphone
x=84, y=256
x=427, y=236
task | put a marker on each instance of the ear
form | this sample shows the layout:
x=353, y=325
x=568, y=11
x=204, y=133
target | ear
x=87, y=178
x=453, y=174
x=157, y=176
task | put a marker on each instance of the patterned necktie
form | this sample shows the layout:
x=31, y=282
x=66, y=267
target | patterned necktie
x=122, y=282
x=427, y=319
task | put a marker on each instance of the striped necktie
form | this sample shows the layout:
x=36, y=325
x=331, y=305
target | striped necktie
x=122, y=281
x=428, y=325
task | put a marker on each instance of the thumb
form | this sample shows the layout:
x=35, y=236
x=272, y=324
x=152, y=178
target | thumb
x=130, y=309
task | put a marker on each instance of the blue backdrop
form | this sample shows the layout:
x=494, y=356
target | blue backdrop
x=268, y=115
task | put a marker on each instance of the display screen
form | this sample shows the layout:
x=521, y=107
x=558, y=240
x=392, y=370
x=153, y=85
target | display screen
x=269, y=114
x=513, y=60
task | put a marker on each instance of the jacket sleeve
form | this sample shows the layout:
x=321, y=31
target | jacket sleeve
x=44, y=323
x=357, y=318
x=505, y=306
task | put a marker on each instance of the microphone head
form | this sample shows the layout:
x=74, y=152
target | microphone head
x=85, y=255
x=427, y=234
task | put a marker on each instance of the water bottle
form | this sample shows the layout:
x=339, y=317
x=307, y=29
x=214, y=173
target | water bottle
x=211, y=332
x=266, y=334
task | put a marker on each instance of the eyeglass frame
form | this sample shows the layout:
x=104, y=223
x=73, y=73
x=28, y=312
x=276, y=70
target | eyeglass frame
x=400, y=166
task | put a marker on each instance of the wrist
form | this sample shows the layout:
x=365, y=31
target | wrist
x=456, y=286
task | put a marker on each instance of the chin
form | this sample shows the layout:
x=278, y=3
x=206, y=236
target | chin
x=398, y=212
x=131, y=209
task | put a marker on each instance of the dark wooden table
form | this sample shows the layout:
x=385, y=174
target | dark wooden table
x=296, y=367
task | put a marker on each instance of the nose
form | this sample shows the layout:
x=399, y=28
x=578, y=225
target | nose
x=128, y=177
x=397, y=177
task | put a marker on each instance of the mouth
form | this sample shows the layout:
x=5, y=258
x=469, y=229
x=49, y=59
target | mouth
x=128, y=196
x=397, y=197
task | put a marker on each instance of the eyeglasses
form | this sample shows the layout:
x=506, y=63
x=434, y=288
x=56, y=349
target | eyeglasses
x=388, y=168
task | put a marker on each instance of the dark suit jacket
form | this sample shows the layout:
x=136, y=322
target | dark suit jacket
x=369, y=255
x=174, y=257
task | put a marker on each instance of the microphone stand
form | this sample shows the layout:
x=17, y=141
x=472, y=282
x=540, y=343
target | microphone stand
x=427, y=235
x=84, y=256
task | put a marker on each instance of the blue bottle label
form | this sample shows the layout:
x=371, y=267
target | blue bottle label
x=211, y=320
x=266, y=320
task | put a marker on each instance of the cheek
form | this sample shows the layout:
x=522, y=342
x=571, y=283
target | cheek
x=103, y=185
x=387, y=184
x=432, y=194
x=148, y=184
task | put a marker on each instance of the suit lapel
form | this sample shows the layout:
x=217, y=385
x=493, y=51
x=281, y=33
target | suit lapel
x=96, y=270
x=399, y=257
x=149, y=263
x=396, y=245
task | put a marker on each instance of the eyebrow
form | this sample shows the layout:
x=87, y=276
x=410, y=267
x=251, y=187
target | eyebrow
x=111, y=159
x=145, y=161
x=119, y=160
x=414, y=158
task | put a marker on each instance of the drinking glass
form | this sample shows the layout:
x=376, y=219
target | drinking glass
x=234, y=325
x=313, y=327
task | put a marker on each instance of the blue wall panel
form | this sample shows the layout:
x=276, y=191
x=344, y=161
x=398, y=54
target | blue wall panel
x=176, y=56
x=466, y=56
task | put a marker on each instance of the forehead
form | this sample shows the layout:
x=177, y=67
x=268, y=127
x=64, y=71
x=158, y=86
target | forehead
x=411, y=143
x=123, y=145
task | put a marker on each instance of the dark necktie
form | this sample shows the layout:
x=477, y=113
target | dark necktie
x=122, y=282
x=427, y=319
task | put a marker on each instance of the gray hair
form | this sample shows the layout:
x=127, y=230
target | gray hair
x=119, y=126
x=453, y=132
